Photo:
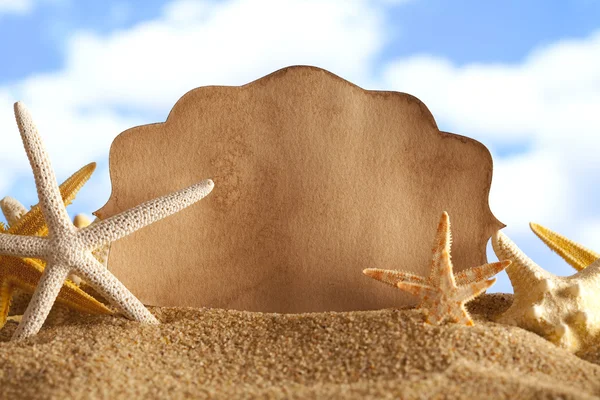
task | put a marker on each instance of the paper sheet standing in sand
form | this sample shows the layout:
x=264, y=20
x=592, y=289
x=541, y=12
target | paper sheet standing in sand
x=315, y=180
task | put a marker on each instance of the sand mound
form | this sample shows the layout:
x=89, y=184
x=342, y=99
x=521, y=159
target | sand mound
x=223, y=354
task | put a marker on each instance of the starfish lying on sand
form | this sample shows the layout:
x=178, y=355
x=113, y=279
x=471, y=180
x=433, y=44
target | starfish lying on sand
x=563, y=310
x=573, y=253
x=20, y=276
x=67, y=248
x=439, y=294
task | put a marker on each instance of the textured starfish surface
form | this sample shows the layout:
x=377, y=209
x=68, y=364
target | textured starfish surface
x=564, y=310
x=443, y=294
x=20, y=276
x=573, y=253
x=67, y=248
x=101, y=253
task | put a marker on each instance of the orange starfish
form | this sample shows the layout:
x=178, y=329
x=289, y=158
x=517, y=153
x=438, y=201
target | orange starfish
x=439, y=294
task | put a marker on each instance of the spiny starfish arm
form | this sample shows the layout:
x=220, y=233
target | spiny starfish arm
x=26, y=281
x=391, y=277
x=12, y=210
x=423, y=292
x=41, y=302
x=468, y=292
x=442, y=243
x=573, y=253
x=445, y=273
x=460, y=315
x=22, y=246
x=53, y=209
x=523, y=272
x=480, y=273
x=33, y=223
x=129, y=221
x=113, y=290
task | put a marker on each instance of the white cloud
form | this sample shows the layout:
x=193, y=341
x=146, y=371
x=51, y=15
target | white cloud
x=554, y=91
x=206, y=43
x=15, y=6
x=531, y=187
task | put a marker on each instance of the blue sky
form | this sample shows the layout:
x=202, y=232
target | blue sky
x=521, y=77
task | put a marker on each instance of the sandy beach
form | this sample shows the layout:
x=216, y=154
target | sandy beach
x=213, y=353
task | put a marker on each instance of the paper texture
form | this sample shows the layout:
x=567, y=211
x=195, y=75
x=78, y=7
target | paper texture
x=315, y=180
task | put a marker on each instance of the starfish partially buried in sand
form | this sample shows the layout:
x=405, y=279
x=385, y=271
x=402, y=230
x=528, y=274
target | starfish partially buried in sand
x=20, y=276
x=562, y=309
x=443, y=295
x=67, y=248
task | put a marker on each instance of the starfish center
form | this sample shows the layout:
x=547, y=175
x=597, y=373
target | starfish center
x=62, y=249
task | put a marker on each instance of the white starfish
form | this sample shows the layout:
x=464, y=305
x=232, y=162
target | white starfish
x=67, y=248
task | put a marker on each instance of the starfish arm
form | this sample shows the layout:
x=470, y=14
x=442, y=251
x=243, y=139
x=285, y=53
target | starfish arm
x=421, y=291
x=468, y=292
x=480, y=273
x=442, y=243
x=573, y=253
x=24, y=275
x=113, y=290
x=12, y=210
x=22, y=246
x=42, y=301
x=32, y=223
x=53, y=209
x=522, y=272
x=129, y=221
x=461, y=316
x=391, y=277
x=445, y=273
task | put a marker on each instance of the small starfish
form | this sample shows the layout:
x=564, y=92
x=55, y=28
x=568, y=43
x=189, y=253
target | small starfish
x=564, y=310
x=20, y=276
x=67, y=248
x=439, y=294
x=573, y=253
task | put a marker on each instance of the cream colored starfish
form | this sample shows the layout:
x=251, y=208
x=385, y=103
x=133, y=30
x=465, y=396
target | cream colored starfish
x=440, y=295
x=573, y=253
x=563, y=310
x=67, y=248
